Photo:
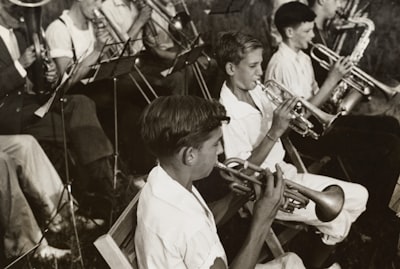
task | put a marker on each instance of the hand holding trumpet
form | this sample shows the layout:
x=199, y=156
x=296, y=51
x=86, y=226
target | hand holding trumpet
x=328, y=202
x=341, y=68
x=282, y=116
x=269, y=199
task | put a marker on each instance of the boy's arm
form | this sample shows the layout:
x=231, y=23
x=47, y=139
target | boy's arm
x=265, y=209
x=280, y=123
x=339, y=70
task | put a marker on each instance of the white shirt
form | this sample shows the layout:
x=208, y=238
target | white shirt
x=294, y=70
x=248, y=127
x=164, y=40
x=175, y=228
x=123, y=16
x=59, y=36
x=11, y=43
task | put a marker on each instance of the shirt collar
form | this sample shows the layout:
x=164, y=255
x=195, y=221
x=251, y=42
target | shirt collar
x=286, y=50
x=169, y=190
x=242, y=109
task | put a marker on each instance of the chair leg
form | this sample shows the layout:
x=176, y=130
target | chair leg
x=274, y=244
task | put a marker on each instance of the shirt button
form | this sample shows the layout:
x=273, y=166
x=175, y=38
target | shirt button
x=19, y=92
x=18, y=109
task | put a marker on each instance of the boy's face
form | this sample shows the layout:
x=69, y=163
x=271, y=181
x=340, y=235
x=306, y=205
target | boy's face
x=331, y=6
x=88, y=6
x=206, y=155
x=302, y=35
x=248, y=71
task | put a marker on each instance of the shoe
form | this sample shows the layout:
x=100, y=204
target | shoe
x=89, y=223
x=48, y=253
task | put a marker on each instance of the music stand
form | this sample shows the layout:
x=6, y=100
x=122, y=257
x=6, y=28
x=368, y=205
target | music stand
x=186, y=58
x=224, y=6
x=113, y=68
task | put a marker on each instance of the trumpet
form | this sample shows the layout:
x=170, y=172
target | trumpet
x=359, y=79
x=328, y=202
x=299, y=123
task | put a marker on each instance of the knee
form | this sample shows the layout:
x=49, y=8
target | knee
x=292, y=260
x=362, y=198
x=81, y=101
x=25, y=143
x=5, y=161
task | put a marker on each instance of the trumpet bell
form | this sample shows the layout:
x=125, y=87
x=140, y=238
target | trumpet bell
x=329, y=203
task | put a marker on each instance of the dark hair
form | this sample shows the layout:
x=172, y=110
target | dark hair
x=172, y=122
x=233, y=47
x=311, y=3
x=292, y=14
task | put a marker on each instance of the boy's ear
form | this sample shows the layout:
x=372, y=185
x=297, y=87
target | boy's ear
x=188, y=155
x=289, y=32
x=229, y=68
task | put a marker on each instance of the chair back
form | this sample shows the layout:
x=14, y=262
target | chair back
x=117, y=246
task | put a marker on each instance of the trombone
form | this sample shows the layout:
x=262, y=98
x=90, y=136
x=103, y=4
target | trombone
x=175, y=25
x=356, y=73
x=328, y=202
x=299, y=123
x=118, y=43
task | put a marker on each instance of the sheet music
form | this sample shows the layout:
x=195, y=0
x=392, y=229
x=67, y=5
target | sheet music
x=41, y=111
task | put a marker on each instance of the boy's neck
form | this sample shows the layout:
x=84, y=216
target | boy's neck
x=177, y=173
x=78, y=18
x=241, y=95
x=291, y=45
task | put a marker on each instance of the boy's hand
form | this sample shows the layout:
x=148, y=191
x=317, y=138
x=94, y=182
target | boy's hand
x=271, y=197
x=28, y=57
x=282, y=117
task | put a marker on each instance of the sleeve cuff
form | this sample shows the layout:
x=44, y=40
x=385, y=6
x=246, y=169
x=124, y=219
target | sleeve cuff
x=21, y=70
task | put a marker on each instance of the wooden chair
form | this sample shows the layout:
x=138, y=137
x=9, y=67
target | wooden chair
x=117, y=246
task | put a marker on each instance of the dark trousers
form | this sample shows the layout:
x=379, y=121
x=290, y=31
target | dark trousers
x=370, y=146
x=84, y=133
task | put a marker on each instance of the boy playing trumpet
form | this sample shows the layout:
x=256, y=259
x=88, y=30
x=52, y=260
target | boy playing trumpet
x=254, y=134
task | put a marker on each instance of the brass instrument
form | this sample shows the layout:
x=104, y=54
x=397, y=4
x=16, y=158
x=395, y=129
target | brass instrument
x=359, y=80
x=328, y=202
x=344, y=21
x=119, y=41
x=32, y=16
x=299, y=123
x=344, y=97
x=175, y=31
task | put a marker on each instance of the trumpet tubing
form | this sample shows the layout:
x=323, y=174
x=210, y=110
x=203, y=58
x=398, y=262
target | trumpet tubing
x=329, y=202
x=358, y=78
x=300, y=123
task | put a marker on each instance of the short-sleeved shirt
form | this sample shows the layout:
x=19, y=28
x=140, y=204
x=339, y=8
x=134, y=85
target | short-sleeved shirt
x=175, y=228
x=248, y=126
x=123, y=17
x=63, y=37
x=294, y=70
